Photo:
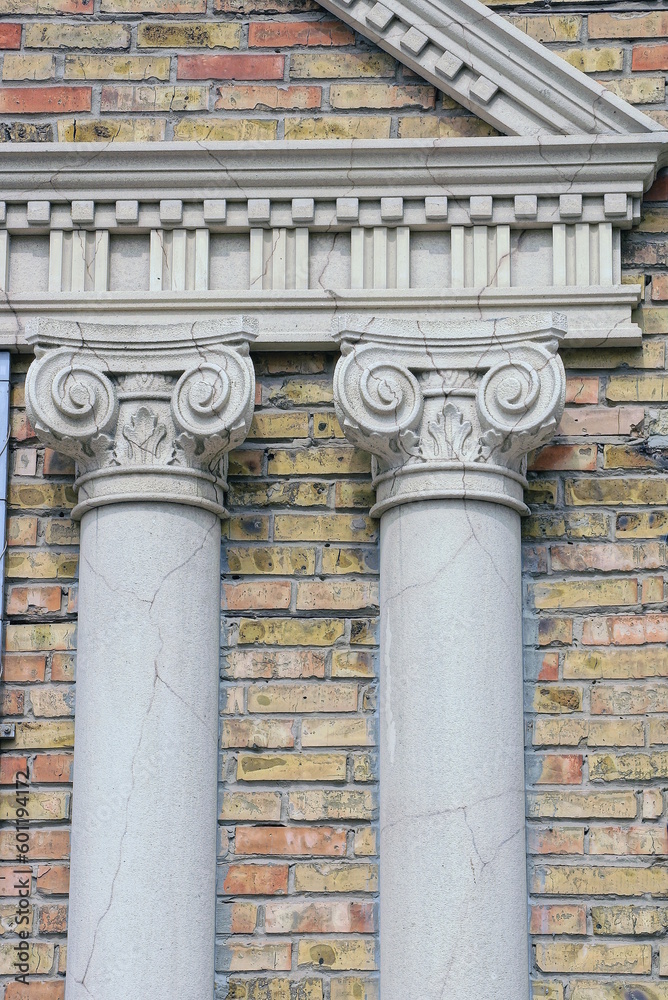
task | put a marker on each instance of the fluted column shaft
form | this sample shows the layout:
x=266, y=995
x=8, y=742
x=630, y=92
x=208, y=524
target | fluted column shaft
x=149, y=415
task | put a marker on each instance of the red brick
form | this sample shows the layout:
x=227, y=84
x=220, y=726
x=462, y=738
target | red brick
x=307, y=841
x=581, y=390
x=24, y=667
x=256, y=880
x=43, y=845
x=11, y=702
x=282, y=34
x=650, y=57
x=53, y=879
x=45, y=598
x=35, y=100
x=53, y=767
x=53, y=919
x=35, y=991
x=560, y=769
x=62, y=667
x=10, y=36
x=230, y=67
x=564, y=457
x=549, y=669
x=10, y=766
x=658, y=190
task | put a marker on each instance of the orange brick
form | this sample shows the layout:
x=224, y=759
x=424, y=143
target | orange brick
x=559, y=769
x=10, y=766
x=256, y=880
x=560, y=840
x=272, y=594
x=10, y=36
x=581, y=389
x=565, y=457
x=53, y=918
x=558, y=919
x=21, y=599
x=33, y=990
x=594, y=420
x=625, y=630
x=230, y=67
x=303, y=841
x=53, y=767
x=284, y=34
x=43, y=844
x=650, y=25
x=37, y=100
x=24, y=667
x=319, y=918
x=647, y=57
x=660, y=287
x=53, y=879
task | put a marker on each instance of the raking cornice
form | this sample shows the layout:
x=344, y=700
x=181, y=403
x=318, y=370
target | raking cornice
x=491, y=67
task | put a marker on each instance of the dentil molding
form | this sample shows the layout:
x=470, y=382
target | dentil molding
x=449, y=411
x=149, y=414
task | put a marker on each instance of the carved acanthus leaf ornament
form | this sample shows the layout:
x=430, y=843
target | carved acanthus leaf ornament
x=450, y=411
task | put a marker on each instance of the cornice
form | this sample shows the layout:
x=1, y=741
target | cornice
x=454, y=167
x=491, y=67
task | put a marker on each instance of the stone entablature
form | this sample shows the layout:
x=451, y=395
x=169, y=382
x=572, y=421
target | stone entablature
x=294, y=235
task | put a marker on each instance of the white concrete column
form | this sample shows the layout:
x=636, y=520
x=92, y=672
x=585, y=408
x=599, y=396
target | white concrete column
x=149, y=414
x=449, y=415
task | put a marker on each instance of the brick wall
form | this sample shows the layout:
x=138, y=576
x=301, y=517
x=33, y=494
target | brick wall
x=298, y=849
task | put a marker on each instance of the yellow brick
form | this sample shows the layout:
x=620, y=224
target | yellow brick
x=48, y=702
x=651, y=319
x=658, y=731
x=354, y=494
x=652, y=354
x=625, y=841
x=585, y=593
x=318, y=595
x=40, y=957
x=595, y=60
x=541, y=491
x=364, y=767
x=652, y=590
x=610, y=880
x=338, y=127
x=330, y=65
x=337, y=954
x=257, y=957
x=96, y=67
x=61, y=531
x=638, y=388
x=433, y=127
x=248, y=528
x=339, y=560
x=619, y=991
x=42, y=495
x=365, y=842
x=572, y=525
x=615, y=733
x=22, y=531
x=559, y=732
x=337, y=733
x=9, y=916
x=331, y=804
x=596, y=732
x=291, y=767
x=24, y=638
x=353, y=988
x=290, y=631
x=351, y=96
x=628, y=767
x=352, y=663
x=652, y=802
x=581, y=805
x=325, y=527
x=328, y=877
x=553, y=698
x=76, y=36
x=194, y=34
x=622, y=958
x=663, y=960
x=44, y=735
x=41, y=565
x=225, y=129
x=291, y=494
x=639, y=89
x=269, y=424
x=266, y=698
x=651, y=661
x=17, y=67
x=275, y=560
x=322, y=461
x=256, y=807
x=651, y=525
x=45, y=806
x=301, y=391
x=544, y=990
x=550, y=27
x=629, y=920
x=326, y=425
x=266, y=733
x=617, y=491
x=155, y=98
x=111, y=130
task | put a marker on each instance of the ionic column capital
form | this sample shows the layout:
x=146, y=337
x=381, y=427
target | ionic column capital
x=450, y=410
x=149, y=413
